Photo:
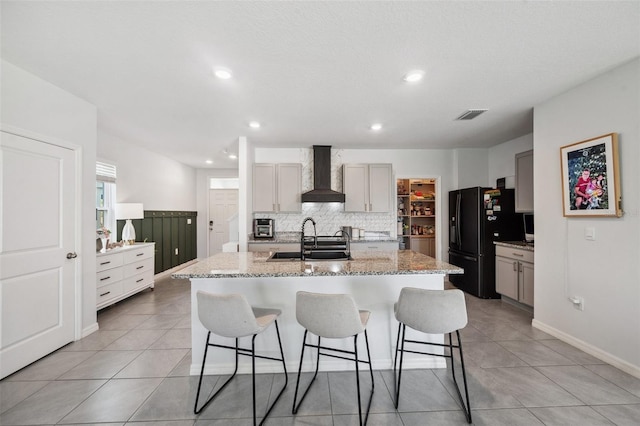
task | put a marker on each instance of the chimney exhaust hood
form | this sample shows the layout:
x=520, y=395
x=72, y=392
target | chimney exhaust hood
x=322, y=192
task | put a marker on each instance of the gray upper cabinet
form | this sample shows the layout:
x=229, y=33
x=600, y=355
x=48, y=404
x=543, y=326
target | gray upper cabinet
x=277, y=187
x=524, y=182
x=367, y=187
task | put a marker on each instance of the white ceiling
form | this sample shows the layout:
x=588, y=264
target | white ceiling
x=316, y=72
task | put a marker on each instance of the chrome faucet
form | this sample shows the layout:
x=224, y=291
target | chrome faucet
x=315, y=235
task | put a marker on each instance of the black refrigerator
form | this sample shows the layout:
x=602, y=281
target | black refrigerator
x=478, y=217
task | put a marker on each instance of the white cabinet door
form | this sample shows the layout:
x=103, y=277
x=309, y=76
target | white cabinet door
x=380, y=188
x=367, y=187
x=277, y=187
x=355, y=187
x=526, y=283
x=264, y=187
x=289, y=188
x=507, y=277
x=524, y=182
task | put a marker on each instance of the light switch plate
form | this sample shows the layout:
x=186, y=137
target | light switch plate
x=590, y=233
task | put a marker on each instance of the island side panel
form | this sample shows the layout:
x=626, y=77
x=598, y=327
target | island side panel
x=376, y=293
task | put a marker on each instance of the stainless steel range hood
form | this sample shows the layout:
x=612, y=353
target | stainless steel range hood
x=322, y=192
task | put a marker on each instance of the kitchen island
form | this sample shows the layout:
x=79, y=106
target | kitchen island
x=373, y=278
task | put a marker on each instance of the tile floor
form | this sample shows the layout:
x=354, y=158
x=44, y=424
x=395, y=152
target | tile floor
x=134, y=370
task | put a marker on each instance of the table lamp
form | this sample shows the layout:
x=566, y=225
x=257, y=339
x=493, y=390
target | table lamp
x=128, y=211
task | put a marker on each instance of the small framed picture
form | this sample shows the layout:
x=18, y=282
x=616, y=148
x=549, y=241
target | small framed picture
x=590, y=177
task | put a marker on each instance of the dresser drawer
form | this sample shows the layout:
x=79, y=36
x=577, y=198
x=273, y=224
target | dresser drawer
x=138, y=281
x=137, y=254
x=108, y=292
x=108, y=261
x=108, y=277
x=514, y=253
x=138, y=268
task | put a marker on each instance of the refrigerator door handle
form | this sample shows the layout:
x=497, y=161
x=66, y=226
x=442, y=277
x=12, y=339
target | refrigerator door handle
x=469, y=258
x=458, y=201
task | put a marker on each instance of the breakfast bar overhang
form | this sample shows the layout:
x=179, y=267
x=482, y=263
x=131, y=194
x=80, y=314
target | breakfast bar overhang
x=374, y=279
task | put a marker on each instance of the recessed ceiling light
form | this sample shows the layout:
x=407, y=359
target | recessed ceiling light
x=209, y=161
x=413, y=76
x=222, y=73
x=254, y=125
x=376, y=126
x=233, y=156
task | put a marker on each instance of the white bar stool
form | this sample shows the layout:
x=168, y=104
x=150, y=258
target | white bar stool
x=332, y=316
x=230, y=315
x=431, y=312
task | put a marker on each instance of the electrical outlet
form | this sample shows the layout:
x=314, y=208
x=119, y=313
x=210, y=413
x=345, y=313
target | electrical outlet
x=578, y=302
x=176, y=251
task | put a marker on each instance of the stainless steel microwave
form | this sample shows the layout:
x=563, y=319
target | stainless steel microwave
x=263, y=228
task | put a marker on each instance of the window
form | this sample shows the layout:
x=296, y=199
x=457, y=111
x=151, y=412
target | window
x=106, y=196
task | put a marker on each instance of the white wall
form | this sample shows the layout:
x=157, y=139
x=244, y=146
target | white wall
x=502, y=159
x=605, y=272
x=156, y=181
x=470, y=167
x=34, y=105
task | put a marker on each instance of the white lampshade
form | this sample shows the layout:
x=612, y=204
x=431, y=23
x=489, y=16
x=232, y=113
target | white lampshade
x=129, y=211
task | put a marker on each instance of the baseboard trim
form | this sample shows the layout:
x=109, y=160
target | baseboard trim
x=89, y=330
x=623, y=365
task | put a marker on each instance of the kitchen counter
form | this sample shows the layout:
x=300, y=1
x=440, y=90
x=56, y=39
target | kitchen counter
x=515, y=244
x=373, y=278
x=254, y=264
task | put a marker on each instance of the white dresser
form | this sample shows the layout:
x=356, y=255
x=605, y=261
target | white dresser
x=123, y=271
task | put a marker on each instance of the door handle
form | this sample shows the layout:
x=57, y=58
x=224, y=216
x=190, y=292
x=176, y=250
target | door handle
x=72, y=255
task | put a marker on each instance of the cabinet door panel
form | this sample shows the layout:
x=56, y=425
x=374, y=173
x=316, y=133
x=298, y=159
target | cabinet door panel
x=526, y=279
x=380, y=188
x=264, y=187
x=524, y=181
x=507, y=277
x=289, y=187
x=355, y=187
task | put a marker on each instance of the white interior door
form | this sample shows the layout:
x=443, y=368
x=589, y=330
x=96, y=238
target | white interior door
x=37, y=280
x=223, y=203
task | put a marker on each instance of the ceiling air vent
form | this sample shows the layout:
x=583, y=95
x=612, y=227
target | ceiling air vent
x=470, y=114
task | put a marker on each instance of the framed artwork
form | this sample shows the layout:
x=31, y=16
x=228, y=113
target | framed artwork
x=590, y=177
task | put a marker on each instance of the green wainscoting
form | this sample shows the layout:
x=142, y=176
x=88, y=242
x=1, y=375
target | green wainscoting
x=170, y=230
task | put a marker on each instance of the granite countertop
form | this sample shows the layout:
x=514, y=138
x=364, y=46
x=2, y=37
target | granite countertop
x=254, y=264
x=515, y=244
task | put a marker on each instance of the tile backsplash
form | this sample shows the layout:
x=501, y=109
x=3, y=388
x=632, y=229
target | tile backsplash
x=331, y=217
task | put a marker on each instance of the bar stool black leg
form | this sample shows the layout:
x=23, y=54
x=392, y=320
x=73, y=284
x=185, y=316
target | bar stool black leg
x=295, y=395
x=204, y=358
x=399, y=380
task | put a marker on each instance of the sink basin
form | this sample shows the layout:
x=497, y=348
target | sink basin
x=287, y=256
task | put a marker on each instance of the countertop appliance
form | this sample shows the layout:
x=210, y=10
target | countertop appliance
x=263, y=228
x=477, y=217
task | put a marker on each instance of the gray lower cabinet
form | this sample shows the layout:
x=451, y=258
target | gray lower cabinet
x=373, y=246
x=514, y=274
x=270, y=247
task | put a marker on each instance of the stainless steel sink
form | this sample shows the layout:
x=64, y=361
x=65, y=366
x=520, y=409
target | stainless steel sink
x=289, y=256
